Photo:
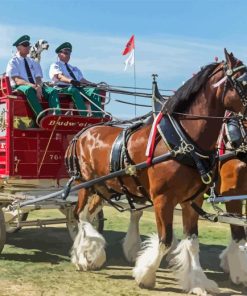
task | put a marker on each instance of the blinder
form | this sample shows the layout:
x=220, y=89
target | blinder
x=239, y=84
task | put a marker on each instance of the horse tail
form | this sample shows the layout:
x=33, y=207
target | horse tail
x=71, y=160
x=71, y=157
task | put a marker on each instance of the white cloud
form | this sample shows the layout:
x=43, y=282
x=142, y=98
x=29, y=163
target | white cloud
x=174, y=58
x=168, y=56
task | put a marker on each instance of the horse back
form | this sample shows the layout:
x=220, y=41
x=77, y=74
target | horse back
x=94, y=147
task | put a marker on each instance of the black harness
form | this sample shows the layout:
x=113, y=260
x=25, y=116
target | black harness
x=189, y=154
x=239, y=84
x=236, y=137
x=120, y=159
x=173, y=135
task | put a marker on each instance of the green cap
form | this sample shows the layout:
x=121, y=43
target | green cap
x=22, y=39
x=65, y=45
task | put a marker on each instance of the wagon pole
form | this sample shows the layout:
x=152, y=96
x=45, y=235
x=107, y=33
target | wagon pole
x=129, y=170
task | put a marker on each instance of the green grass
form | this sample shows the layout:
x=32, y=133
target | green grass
x=36, y=261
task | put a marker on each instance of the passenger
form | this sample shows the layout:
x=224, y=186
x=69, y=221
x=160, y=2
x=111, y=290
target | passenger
x=68, y=80
x=26, y=76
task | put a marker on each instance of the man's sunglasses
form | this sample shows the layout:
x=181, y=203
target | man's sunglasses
x=66, y=52
x=25, y=44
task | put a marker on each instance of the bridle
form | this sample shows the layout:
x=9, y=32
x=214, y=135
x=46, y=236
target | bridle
x=239, y=83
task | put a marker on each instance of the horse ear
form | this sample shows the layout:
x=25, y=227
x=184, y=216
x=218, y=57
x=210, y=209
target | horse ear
x=226, y=54
x=229, y=58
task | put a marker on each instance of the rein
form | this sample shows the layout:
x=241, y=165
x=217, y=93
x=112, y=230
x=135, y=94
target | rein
x=195, y=116
x=103, y=84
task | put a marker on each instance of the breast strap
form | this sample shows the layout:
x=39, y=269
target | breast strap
x=176, y=139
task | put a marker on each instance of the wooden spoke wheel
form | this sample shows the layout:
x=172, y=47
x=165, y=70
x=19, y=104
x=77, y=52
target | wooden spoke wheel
x=12, y=229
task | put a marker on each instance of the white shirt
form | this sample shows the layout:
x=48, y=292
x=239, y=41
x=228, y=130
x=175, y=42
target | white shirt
x=16, y=67
x=60, y=68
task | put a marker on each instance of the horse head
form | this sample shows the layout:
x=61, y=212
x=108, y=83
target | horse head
x=224, y=82
x=234, y=94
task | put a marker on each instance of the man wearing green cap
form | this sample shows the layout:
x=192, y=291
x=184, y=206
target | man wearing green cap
x=26, y=76
x=68, y=79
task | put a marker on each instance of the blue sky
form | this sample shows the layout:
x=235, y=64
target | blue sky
x=173, y=37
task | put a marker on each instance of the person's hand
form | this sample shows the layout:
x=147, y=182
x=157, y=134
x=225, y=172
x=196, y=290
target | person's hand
x=102, y=84
x=75, y=83
x=38, y=89
x=93, y=84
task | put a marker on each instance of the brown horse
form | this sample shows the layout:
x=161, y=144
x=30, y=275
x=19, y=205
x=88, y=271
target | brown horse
x=168, y=183
x=233, y=175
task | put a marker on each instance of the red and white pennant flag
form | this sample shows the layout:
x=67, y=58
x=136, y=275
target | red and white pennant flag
x=130, y=48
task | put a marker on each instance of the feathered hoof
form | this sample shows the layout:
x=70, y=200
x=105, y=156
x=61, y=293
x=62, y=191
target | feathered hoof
x=146, y=285
x=211, y=289
x=198, y=292
x=240, y=279
x=83, y=264
x=145, y=280
x=131, y=252
x=224, y=265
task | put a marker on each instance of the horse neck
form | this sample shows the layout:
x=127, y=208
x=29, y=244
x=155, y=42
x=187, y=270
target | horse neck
x=208, y=103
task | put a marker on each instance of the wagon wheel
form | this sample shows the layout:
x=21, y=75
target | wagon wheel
x=72, y=224
x=2, y=231
x=13, y=229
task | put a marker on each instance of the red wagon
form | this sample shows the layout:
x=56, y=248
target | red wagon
x=32, y=157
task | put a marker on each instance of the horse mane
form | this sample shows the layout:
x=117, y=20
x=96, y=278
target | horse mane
x=186, y=93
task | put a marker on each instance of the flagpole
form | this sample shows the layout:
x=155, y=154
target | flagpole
x=135, y=79
x=130, y=49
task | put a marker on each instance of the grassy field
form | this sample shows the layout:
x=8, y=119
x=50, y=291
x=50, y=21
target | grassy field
x=35, y=261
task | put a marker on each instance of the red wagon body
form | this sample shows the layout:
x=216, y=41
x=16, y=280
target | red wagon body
x=35, y=153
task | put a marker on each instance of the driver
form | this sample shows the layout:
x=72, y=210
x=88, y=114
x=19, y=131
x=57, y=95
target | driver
x=69, y=79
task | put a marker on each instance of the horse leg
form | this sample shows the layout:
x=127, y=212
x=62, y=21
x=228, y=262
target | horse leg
x=88, y=250
x=156, y=247
x=234, y=257
x=186, y=262
x=132, y=241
